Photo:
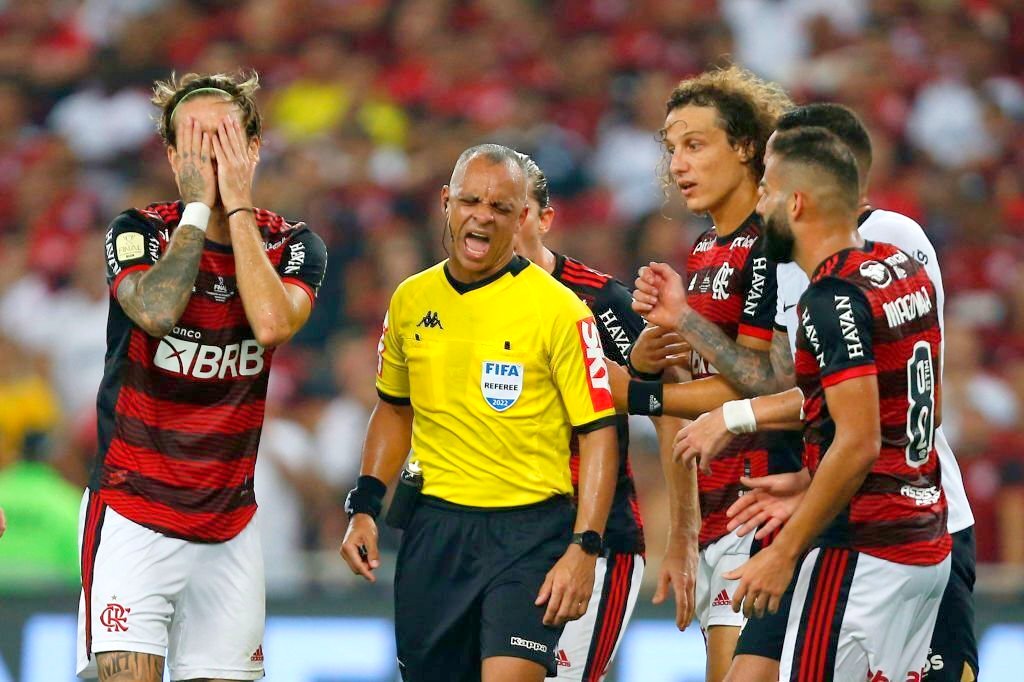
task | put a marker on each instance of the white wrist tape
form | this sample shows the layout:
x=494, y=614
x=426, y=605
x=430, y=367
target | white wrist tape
x=196, y=214
x=739, y=416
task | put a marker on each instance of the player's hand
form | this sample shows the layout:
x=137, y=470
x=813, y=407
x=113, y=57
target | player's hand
x=679, y=569
x=659, y=295
x=769, y=503
x=3, y=522
x=658, y=348
x=567, y=587
x=193, y=167
x=702, y=440
x=359, y=548
x=618, y=379
x=763, y=580
x=236, y=163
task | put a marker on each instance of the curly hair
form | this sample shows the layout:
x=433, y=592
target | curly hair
x=747, y=107
x=168, y=94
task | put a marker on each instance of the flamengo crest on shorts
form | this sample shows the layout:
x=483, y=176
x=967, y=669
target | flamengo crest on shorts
x=501, y=383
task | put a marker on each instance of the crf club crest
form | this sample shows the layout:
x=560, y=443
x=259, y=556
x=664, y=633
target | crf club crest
x=501, y=383
x=115, y=617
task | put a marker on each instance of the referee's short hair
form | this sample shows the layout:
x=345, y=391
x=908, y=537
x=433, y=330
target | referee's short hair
x=830, y=158
x=495, y=153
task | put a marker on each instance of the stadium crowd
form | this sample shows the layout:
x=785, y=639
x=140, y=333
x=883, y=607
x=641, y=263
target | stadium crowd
x=368, y=104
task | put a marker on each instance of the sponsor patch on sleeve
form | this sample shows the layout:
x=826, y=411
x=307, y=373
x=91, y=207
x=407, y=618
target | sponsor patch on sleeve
x=597, y=370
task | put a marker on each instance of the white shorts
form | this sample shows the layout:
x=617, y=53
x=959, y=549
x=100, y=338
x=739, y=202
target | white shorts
x=858, y=617
x=588, y=645
x=202, y=606
x=714, y=593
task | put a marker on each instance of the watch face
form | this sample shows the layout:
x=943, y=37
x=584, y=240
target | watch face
x=590, y=541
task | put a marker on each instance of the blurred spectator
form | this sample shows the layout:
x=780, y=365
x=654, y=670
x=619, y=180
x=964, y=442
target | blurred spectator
x=29, y=408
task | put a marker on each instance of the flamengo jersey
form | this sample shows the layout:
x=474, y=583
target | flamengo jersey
x=909, y=237
x=497, y=373
x=619, y=325
x=872, y=311
x=731, y=284
x=180, y=417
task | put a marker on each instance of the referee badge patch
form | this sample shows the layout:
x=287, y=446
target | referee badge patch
x=501, y=383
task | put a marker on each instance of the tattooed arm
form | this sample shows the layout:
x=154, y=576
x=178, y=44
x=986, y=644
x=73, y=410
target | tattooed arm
x=129, y=666
x=156, y=298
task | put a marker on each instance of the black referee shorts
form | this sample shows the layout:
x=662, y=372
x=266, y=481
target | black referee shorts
x=465, y=582
x=765, y=636
x=954, y=643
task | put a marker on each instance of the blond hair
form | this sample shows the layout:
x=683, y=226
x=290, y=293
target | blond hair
x=240, y=89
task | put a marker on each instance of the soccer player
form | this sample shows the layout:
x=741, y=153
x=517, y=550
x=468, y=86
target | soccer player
x=201, y=292
x=954, y=650
x=868, y=593
x=486, y=366
x=715, y=132
x=588, y=645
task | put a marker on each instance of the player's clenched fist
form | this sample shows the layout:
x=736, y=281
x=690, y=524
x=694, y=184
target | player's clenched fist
x=359, y=548
x=659, y=295
x=657, y=348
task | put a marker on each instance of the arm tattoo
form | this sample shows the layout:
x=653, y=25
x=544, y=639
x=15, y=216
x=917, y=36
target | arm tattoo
x=782, y=362
x=190, y=180
x=156, y=298
x=129, y=666
x=749, y=371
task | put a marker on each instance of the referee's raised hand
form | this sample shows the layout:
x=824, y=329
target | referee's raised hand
x=567, y=587
x=359, y=548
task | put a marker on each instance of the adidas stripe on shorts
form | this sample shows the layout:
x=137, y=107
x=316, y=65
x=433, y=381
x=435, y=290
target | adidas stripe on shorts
x=858, y=617
x=588, y=645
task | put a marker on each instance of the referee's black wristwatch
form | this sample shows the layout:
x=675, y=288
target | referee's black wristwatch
x=589, y=541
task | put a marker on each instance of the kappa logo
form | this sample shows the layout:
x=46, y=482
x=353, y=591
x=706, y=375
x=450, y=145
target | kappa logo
x=430, y=320
x=562, y=659
x=115, y=617
x=527, y=644
x=203, y=361
x=722, y=599
x=597, y=370
x=501, y=383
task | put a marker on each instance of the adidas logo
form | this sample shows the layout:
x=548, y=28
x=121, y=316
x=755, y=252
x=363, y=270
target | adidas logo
x=653, y=405
x=257, y=656
x=722, y=599
x=562, y=660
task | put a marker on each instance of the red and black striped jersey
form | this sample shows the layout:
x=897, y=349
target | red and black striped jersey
x=731, y=283
x=618, y=325
x=872, y=311
x=180, y=416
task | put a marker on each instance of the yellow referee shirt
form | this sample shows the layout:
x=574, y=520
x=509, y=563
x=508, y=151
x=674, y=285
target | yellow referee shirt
x=497, y=372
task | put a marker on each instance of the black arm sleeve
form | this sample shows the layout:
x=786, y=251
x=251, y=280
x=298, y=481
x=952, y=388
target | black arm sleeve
x=837, y=321
x=760, y=291
x=131, y=242
x=304, y=260
x=618, y=324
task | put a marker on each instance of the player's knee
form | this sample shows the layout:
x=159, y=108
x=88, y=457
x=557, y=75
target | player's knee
x=747, y=668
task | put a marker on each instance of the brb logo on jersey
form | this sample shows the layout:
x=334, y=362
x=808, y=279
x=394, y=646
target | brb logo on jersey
x=597, y=370
x=501, y=383
x=202, y=361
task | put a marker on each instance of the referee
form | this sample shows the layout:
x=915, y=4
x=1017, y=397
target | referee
x=486, y=365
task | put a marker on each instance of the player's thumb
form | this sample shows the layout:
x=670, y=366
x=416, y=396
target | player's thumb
x=662, y=590
x=664, y=270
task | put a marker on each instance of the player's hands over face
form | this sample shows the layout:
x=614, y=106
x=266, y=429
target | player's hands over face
x=702, y=440
x=769, y=502
x=567, y=587
x=659, y=295
x=236, y=163
x=763, y=580
x=658, y=348
x=359, y=548
x=193, y=163
x=679, y=570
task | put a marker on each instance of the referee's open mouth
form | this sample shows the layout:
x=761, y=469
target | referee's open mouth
x=477, y=244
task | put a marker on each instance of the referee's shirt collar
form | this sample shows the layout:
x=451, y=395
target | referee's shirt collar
x=514, y=266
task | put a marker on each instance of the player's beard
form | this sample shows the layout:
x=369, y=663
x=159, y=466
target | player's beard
x=778, y=239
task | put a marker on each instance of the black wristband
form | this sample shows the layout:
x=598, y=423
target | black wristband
x=238, y=210
x=646, y=397
x=645, y=376
x=367, y=497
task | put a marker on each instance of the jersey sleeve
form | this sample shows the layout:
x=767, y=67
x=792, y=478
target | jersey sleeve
x=392, y=370
x=837, y=321
x=304, y=262
x=579, y=369
x=617, y=322
x=132, y=243
x=760, y=287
